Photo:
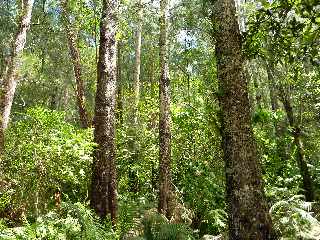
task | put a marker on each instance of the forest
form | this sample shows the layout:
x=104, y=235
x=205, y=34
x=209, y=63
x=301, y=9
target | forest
x=159, y=119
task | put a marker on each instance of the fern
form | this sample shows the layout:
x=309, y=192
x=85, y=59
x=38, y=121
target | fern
x=293, y=219
x=157, y=227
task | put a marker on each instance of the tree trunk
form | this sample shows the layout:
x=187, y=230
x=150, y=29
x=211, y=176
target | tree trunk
x=136, y=83
x=133, y=143
x=278, y=128
x=247, y=206
x=104, y=185
x=165, y=116
x=119, y=87
x=9, y=80
x=300, y=155
x=75, y=57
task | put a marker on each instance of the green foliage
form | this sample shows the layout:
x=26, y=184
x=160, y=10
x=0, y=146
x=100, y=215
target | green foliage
x=44, y=154
x=72, y=222
x=293, y=219
x=156, y=227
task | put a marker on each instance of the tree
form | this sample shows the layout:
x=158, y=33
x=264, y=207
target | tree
x=10, y=75
x=137, y=67
x=104, y=185
x=244, y=184
x=119, y=102
x=296, y=132
x=133, y=143
x=75, y=58
x=165, y=118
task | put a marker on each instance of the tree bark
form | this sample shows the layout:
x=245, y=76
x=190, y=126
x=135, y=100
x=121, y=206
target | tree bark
x=9, y=80
x=300, y=154
x=247, y=206
x=104, y=185
x=75, y=57
x=165, y=115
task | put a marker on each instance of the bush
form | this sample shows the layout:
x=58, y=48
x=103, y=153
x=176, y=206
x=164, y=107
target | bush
x=73, y=222
x=44, y=154
x=157, y=227
x=293, y=219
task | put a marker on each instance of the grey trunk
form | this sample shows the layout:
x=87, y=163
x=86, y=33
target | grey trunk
x=10, y=75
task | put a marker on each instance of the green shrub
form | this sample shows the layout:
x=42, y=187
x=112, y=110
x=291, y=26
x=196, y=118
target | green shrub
x=293, y=219
x=157, y=227
x=73, y=222
x=45, y=154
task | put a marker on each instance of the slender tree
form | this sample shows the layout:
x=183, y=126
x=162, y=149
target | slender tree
x=104, y=185
x=119, y=87
x=247, y=206
x=279, y=90
x=10, y=76
x=165, y=116
x=133, y=144
x=75, y=58
x=137, y=67
x=300, y=152
x=279, y=127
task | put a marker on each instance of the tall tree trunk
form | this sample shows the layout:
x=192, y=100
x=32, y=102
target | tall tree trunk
x=137, y=67
x=104, y=185
x=75, y=57
x=119, y=87
x=9, y=77
x=133, y=144
x=244, y=186
x=300, y=154
x=165, y=115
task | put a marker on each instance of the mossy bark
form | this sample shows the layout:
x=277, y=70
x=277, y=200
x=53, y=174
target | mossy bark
x=247, y=206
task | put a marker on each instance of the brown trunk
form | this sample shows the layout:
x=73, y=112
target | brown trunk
x=300, y=155
x=247, y=206
x=165, y=116
x=9, y=77
x=104, y=185
x=75, y=57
